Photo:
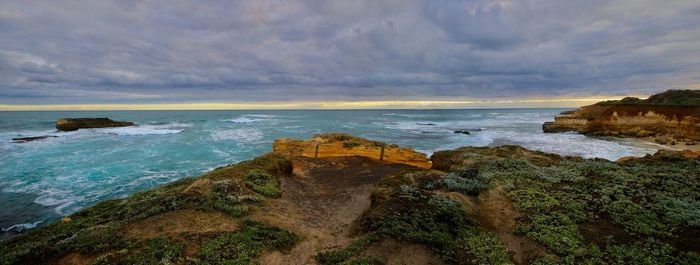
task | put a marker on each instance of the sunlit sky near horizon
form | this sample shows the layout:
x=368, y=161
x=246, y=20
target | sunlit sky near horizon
x=343, y=54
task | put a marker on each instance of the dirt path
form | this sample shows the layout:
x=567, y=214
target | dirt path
x=321, y=201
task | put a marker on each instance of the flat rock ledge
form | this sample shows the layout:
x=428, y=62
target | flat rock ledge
x=339, y=144
x=72, y=124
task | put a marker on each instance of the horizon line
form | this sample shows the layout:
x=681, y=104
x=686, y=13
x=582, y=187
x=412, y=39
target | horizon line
x=319, y=105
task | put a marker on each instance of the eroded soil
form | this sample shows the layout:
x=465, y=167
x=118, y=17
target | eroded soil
x=321, y=202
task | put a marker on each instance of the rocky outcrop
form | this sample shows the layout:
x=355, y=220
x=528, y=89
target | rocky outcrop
x=338, y=144
x=675, y=114
x=72, y=124
x=31, y=138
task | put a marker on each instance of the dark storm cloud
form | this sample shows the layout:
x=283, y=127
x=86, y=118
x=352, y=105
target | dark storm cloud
x=185, y=51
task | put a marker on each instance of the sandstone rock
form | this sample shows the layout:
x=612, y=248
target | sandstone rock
x=674, y=112
x=72, y=124
x=644, y=133
x=663, y=140
x=338, y=144
x=690, y=143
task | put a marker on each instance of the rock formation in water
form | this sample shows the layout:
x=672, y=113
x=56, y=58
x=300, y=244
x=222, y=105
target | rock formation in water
x=674, y=114
x=72, y=124
x=31, y=138
x=338, y=144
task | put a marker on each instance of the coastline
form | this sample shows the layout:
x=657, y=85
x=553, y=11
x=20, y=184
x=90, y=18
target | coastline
x=679, y=146
x=304, y=208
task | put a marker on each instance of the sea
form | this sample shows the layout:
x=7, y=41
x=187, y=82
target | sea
x=42, y=181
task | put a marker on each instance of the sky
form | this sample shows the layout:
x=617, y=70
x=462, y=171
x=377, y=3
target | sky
x=343, y=54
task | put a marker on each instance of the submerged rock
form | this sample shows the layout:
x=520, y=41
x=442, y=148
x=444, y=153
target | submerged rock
x=462, y=132
x=72, y=124
x=31, y=138
x=674, y=112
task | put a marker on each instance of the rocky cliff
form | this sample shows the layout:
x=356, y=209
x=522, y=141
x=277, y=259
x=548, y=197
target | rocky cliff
x=338, y=144
x=674, y=113
x=72, y=124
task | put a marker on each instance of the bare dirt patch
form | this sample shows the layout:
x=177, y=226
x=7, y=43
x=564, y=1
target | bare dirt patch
x=176, y=222
x=399, y=252
x=321, y=202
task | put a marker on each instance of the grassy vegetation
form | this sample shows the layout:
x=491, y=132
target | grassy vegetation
x=351, y=144
x=671, y=97
x=97, y=229
x=418, y=215
x=245, y=245
x=647, y=200
x=342, y=255
x=263, y=183
x=159, y=250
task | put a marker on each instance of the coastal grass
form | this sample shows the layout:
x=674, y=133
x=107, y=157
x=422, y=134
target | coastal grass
x=246, y=245
x=263, y=183
x=342, y=255
x=406, y=212
x=97, y=229
x=571, y=205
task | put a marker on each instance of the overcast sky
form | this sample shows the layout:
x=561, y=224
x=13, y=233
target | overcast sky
x=79, y=52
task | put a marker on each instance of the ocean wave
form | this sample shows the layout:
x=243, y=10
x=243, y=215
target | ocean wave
x=410, y=115
x=21, y=227
x=244, y=120
x=141, y=130
x=572, y=144
x=241, y=135
x=263, y=116
x=250, y=118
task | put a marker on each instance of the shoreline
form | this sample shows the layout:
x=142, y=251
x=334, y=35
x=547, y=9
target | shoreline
x=679, y=146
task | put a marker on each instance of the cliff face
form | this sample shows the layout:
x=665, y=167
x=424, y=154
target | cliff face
x=634, y=117
x=336, y=144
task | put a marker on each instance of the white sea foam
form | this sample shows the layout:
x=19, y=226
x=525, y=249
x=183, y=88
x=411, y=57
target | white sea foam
x=244, y=120
x=251, y=118
x=141, y=130
x=21, y=227
x=241, y=135
x=570, y=144
x=405, y=115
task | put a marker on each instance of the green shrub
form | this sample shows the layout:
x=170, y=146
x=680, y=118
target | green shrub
x=341, y=255
x=246, y=245
x=95, y=240
x=263, y=183
x=351, y=144
x=483, y=248
x=159, y=250
x=467, y=186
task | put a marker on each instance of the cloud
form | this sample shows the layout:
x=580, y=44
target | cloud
x=203, y=51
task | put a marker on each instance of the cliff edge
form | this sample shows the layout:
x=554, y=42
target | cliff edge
x=339, y=144
x=674, y=114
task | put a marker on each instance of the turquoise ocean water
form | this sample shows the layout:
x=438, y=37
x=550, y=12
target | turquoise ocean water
x=41, y=181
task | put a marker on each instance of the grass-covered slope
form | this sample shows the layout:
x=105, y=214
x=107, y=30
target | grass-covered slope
x=566, y=210
x=685, y=97
x=100, y=233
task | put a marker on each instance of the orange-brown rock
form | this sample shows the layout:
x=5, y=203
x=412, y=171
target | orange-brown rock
x=338, y=144
x=675, y=113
